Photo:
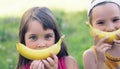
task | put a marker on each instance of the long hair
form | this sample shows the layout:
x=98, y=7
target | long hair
x=48, y=21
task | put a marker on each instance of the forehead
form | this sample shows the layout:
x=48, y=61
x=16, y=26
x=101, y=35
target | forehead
x=104, y=5
x=104, y=9
x=34, y=25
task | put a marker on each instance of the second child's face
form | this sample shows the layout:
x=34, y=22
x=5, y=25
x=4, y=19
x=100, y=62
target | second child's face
x=38, y=38
x=106, y=17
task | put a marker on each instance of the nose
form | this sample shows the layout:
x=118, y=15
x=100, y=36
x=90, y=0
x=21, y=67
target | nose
x=110, y=27
x=41, y=43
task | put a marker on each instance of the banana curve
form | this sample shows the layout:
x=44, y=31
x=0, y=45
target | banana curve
x=33, y=54
x=102, y=34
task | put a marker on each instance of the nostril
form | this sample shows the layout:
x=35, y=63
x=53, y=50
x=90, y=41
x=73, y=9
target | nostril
x=41, y=44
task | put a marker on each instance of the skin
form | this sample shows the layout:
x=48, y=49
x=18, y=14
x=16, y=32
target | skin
x=105, y=19
x=38, y=38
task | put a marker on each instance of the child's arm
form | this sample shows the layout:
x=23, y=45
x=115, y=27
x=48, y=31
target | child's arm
x=71, y=63
x=90, y=60
x=94, y=58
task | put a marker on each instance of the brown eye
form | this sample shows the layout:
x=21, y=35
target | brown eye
x=115, y=20
x=101, y=23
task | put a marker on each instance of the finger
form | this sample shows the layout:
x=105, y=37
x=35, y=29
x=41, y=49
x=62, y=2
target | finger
x=40, y=66
x=101, y=41
x=106, y=47
x=50, y=61
x=118, y=35
x=32, y=64
x=47, y=65
x=55, y=58
x=95, y=39
x=116, y=44
x=101, y=48
x=117, y=41
x=35, y=64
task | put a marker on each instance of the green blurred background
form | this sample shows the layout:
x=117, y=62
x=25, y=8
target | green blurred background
x=71, y=17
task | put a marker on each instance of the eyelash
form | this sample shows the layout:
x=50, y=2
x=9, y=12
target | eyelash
x=100, y=22
x=48, y=36
x=33, y=37
x=115, y=20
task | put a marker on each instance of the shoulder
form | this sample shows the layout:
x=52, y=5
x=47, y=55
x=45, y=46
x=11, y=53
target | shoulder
x=71, y=62
x=89, y=59
x=70, y=59
x=88, y=54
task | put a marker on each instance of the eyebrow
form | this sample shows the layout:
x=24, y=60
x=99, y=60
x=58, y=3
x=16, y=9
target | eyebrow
x=49, y=33
x=30, y=34
x=116, y=17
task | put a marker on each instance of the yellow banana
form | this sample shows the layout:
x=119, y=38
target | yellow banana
x=33, y=54
x=101, y=34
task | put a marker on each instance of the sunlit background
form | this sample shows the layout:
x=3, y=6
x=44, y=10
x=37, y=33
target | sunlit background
x=71, y=17
x=17, y=7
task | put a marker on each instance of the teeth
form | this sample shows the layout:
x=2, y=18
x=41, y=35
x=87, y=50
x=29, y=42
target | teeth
x=34, y=54
x=102, y=34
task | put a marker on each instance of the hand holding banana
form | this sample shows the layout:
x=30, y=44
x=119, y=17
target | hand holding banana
x=102, y=34
x=33, y=54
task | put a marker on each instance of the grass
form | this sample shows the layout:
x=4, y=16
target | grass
x=72, y=24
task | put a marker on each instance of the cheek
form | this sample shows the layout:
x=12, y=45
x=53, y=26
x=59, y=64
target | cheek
x=31, y=44
x=102, y=28
x=118, y=25
x=49, y=43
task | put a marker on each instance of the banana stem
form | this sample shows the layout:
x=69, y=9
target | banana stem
x=61, y=39
x=89, y=24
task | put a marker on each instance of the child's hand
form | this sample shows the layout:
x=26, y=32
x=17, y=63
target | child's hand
x=117, y=42
x=51, y=62
x=101, y=48
x=37, y=64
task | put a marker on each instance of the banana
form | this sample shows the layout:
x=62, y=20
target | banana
x=33, y=54
x=101, y=34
